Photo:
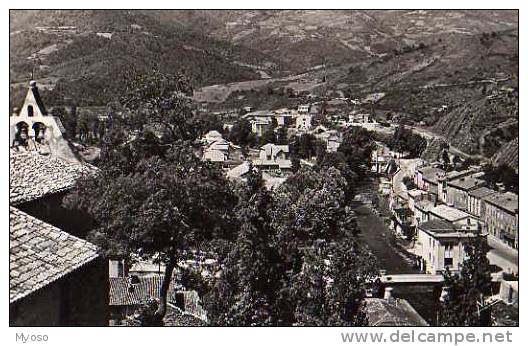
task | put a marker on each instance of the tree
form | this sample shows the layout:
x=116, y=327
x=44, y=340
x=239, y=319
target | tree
x=282, y=136
x=457, y=161
x=286, y=239
x=306, y=146
x=405, y=140
x=154, y=195
x=357, y=148
x=268, y=136
x=447, y=160
x=502, y=174
x=245, y=294
x=240, y=132
x=409, y=183
x=69, y=122
x=464, y=301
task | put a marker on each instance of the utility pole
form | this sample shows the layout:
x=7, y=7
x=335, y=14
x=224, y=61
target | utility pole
x=34, y=58
x=324, y=77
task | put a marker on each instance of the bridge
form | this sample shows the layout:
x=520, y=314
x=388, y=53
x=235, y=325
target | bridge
x=411, y=279
x=420, y=279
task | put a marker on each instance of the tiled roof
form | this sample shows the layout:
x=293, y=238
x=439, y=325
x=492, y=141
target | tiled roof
x=33, y=176
x=508, y=201
x=482, y=192
x=466, y=183
x=437, y=225
x=40, y=254
x=424, y=205
x=174, y=317
x=448, y=213
x=137, y=291
x=432, y=174
x=398, y=313
x=238, y=171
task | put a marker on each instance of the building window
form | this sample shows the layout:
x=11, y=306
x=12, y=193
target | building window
x=448, y=262
x=30, y=111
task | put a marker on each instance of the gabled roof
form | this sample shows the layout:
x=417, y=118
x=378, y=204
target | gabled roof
x=213, y=134
x=424, y=205
x=239, y=171
x=36, y=95
x=432, y=174
x=40, y=254
x=397, y=313
x=482, y=192
x=125, y=291
x=274, y=149
x=508, y=201
x=448, y=213
x=438, y=226
x=466, y=183
x=33, y=176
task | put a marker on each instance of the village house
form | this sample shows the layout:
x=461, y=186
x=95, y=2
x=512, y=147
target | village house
x=443, y=180
x=284, y=116
x=211, y=137
x=380, y=158
x=259, y=125
x=129, y=293
x=457, y=191
x=274, y=157
x=55, y=279
x=416, y=195
x=303, y=121
x=239, y=172
x=402, y=221
x=475, y=206
x=217, y=151
x=359, y=118
x=303, y=109
x=426, y=179
x=331, y=138
x=421, y=211
x=441, y=244
x=260, y=121
x=453, y=215
x=501, y=216
x=385, y=186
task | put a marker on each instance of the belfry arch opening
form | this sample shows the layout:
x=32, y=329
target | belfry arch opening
x=22, y=133
x=40, y=130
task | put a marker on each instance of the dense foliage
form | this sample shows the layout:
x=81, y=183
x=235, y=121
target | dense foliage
x=464, y=303
x=287, y=257
x=406, y=141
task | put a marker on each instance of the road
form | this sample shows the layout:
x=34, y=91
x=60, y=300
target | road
x=377, y=236
x=429, y=135
x=407, y=169
x=503, y=256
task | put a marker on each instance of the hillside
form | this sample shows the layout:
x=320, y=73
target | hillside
x=84, y=54
x=453, y=72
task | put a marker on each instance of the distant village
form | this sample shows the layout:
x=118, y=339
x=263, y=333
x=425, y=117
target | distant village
x=431, y=211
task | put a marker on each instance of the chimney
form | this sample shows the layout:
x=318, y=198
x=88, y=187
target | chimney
x=388, y=295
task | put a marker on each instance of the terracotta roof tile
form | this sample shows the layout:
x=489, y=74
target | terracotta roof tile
x=124, y=292
x=33, y=176
x=35, y=249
